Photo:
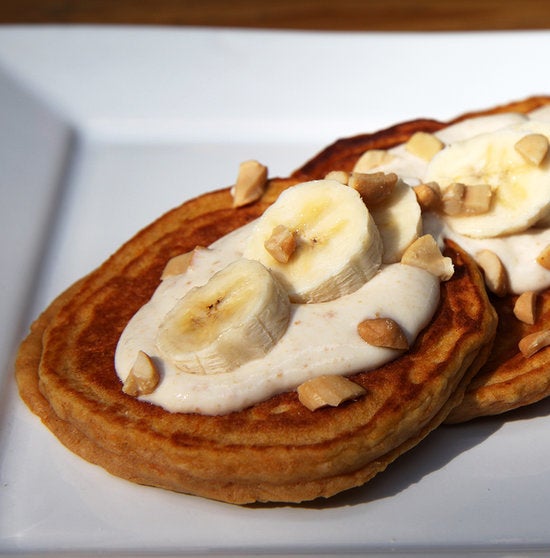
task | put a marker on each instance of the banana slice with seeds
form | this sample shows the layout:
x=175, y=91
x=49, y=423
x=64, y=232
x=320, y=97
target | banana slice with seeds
x=237, y=316
x=337, y=244
x=520, y=189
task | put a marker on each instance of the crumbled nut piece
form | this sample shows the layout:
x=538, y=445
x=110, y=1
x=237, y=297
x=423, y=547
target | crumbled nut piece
x=496, y=278
x=425, y=254
x=383, y=332
x=544, y=221
x=424, y=145
x=340, y=176
x=466, y=199
x=251, y=183
x=533, y=148
x=451, y=200
x=374, y=188
x=525, y=307
x=476, y=199
x=180, y=264
x=177, y=265
x=534, y=342
x=428, y=196
x=281, y=244
x=143, y=377
x=372, y=159
x=328, y=390
x=543, y=258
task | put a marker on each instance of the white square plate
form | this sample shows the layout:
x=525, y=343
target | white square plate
x=101, y=130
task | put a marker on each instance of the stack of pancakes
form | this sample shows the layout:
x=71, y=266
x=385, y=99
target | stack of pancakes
x=507, y=380
x=276, y=450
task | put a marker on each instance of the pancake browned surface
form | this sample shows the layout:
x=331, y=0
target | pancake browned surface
x=508, y=380
x=276, y=450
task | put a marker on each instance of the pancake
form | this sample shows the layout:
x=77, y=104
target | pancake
x=276, y=450
x=508, y=380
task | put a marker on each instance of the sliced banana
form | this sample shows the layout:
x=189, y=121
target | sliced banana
x=410, y=167
x=338, y=246
x=521, y=190
x=399, y=221
x=540, y=125
x=237, y=316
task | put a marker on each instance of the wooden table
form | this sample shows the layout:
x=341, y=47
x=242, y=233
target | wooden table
x=366, y=15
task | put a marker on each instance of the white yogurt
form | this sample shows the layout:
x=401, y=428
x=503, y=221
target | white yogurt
x=320, y=339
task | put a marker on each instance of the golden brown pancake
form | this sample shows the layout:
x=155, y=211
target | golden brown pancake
x=508, y=380
x=276, y=450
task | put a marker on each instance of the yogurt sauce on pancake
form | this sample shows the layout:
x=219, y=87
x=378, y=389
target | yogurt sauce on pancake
x=517, y=252
x=321, y=337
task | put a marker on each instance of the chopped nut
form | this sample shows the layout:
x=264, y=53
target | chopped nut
x=428, y=196
x=180, y=264
x=372, y=159
x=496, y=278
x=281, y=244
x=374, y=188
x=177, y=265
x=543, y=258
x=533, y=148
x=466, y=199
x=451, y=200
x=339, y=176
x=544, y=221
x=425, y=254
x=328, y=390
x=424, y=145
x=251, y=183
x=476, y=199
x=534, y=342
x=525, y=307
x=143, y=377
x=383, y=332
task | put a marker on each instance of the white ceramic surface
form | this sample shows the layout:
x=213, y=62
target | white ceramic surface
x=103, y=129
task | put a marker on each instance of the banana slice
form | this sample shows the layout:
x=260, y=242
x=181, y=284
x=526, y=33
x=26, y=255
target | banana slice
x=399, y=221
x=520, y=189
x=337, y=244
x=237, y=316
